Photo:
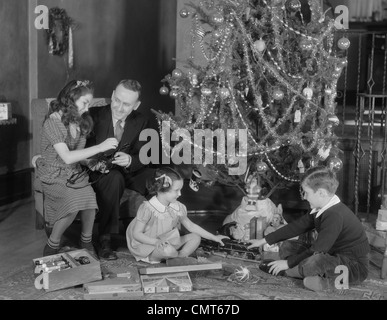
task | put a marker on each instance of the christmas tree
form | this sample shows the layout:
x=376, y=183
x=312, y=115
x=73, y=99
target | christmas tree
x=271, y=68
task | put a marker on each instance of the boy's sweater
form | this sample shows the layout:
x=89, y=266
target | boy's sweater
x=339, y=231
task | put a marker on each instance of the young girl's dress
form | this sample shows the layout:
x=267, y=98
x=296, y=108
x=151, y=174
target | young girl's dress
x=160, y=221
x=60, y=199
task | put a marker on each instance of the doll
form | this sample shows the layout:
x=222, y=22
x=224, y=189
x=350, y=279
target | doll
x=251, y=206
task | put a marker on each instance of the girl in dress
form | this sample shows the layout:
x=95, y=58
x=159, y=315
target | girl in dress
x=154, y=234
x=66, y=188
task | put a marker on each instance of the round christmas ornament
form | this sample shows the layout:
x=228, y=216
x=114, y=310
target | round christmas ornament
x=262, y=167
x=174, y=94
x=308, y=93
x=260, y=45
x=224, y=93
x=164, y=90
x=177, y=73
x=335, y=164
x=293, y=5
x=184, y=13
x=343, y=43
x=217, y=18
x=206, y=91
x=278, y=94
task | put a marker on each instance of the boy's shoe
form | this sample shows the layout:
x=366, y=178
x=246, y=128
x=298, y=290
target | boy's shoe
x=105, y=251
x=48, y=251
x=88, y=246
x=265, y=267
x=317, y=283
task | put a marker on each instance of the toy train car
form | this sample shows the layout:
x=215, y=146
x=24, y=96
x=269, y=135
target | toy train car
x=231, y=247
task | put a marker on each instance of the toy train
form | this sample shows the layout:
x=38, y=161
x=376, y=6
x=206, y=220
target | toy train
x=234, y=248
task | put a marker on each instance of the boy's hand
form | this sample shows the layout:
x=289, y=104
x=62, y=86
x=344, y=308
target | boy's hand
x=278, y=266
x=256, y=243
x=218, y=238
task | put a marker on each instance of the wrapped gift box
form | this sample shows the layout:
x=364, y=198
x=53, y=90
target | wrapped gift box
x=5, y=111
x=166, y=282
x=66, y=270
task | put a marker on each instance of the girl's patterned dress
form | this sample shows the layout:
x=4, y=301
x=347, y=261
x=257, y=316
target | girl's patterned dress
x=60, y=197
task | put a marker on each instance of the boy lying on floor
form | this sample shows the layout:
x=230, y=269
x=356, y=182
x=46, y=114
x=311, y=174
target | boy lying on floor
x=341, y=239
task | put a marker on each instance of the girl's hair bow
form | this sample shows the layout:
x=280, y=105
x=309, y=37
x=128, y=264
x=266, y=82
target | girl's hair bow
x=167, y=180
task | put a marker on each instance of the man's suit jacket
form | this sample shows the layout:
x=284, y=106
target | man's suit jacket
x=103, y=129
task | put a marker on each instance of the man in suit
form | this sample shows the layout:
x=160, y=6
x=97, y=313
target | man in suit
x=122, y=121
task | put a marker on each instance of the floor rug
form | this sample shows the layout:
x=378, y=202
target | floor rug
x=207, y=285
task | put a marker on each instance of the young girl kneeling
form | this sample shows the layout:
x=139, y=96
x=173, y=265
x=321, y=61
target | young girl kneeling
x=153, y=235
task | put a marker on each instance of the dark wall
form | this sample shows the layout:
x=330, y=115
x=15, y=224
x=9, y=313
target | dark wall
x=14, y=139
x=114, y=40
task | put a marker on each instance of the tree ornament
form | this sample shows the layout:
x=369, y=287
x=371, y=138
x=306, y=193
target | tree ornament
x=323, y=152
x=224, y=93
x=293, y=5
x=260, y=45
x=164, y=90
x=278, y=94
x=328, y=91
x=308, y=93
x=174, y=94
x=206, y=91
x=184, y=13
x=335, y=164
x=262, y=167
x=333, y=119
x=217, y=18
x=301, y=166
x=306, y=44
x=177, y=73
x=343, y=43
x=343, y=63
x=297, y=116
x=194, y=79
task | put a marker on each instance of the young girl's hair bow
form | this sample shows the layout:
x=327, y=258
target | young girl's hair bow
x=167, y=180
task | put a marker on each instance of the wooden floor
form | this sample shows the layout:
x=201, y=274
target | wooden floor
x=20, y=242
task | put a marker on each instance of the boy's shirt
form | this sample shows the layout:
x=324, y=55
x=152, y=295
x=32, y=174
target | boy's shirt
x=334, y=200
x=339, y=231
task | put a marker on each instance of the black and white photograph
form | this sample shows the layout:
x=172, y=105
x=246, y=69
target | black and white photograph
x=210, y=153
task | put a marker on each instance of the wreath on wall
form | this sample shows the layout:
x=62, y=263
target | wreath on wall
x=59, y=33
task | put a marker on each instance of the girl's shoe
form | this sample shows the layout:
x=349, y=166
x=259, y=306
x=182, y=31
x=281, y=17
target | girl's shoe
x=48, y=251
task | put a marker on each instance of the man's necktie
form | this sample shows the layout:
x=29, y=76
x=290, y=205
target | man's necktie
x=118, y=130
